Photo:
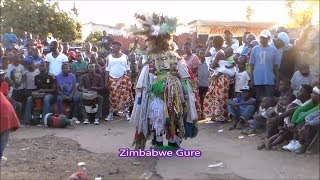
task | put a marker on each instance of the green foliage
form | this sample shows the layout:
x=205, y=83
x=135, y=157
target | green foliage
x=39, y=18
x=301, y=12
x=94, y=36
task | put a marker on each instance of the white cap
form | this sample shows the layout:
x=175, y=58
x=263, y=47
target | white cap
x=245, y=88
x=265, y=33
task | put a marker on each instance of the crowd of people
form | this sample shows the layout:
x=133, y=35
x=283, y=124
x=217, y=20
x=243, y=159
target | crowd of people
x=262, y=84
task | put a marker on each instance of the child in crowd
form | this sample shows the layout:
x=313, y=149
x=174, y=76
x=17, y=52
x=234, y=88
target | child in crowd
x=16, y=78
x=302, y=76
x=242, y=108
x=259, y=120
x=229, y=58
x=30, y=75
x=203, y=78
x=242, y=77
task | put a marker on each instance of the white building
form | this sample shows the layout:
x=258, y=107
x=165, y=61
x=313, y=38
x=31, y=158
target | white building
x=89, y=27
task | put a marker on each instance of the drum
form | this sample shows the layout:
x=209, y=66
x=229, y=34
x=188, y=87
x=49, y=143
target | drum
x=36, y=116
x=90, y=101
x=57, y=121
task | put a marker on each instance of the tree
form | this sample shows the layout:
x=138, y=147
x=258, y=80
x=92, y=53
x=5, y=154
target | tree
x=301, y=12
x=94, y=36
x=249, y=13
x=39, y=18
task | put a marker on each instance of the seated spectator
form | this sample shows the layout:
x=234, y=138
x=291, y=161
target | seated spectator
x=241, y=109
x=30, y=77
x=284, y=87
x=302, y=76
x=307, y=132
x=299, y=117
x=259, y=120
x=91, y=81
x=79, y=67
x=66, y=83
x=273, y=123
x=46, y=83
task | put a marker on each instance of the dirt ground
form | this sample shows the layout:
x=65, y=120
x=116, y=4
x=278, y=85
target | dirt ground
x=51, y=157
x=44, y=153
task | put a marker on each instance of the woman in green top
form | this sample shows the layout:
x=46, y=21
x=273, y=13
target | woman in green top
x=309, y=107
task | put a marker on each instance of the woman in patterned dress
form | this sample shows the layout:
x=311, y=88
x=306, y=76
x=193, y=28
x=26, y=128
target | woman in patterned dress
x=215, y=105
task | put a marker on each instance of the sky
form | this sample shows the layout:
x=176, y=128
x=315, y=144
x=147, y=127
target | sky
x=112, y=12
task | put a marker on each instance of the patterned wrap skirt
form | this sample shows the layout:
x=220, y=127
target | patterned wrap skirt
x=215, y=101
x=120, y=92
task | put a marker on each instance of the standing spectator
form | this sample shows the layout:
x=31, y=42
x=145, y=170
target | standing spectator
x=8, y=122
x=193, y=46
x=10, y=39
x=242, y=76
x=66, y=84
x=302, y=76
x=55, y=59
x=65, y=48
x=191, y=59
x=244, y=43
x=31, y=73
x=118, y=81
x=16, y=78
x=106, y=41
x=215, y=105
x=46, y=83
x=79, y=67
x=230, y=41
x=91, y=81
x=264, y=67
x=134, y=47
x=203, y=77
x=87, y=51
x=25, y=38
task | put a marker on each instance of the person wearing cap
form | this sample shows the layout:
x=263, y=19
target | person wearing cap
x=118, y=81
x=71, y=57
x=302, y=76
x=241, y=109
x=264, y=67
x=35, y=57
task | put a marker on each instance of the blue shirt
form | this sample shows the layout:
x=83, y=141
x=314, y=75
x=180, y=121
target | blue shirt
x=263, y=59
x=10, y=40
x=34, y=60
x=241, y=100
x=65, y=83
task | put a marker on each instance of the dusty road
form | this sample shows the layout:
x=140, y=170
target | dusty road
x=42, y=153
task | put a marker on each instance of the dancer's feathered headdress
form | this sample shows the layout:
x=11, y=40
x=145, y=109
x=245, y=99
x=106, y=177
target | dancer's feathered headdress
x=158, y=31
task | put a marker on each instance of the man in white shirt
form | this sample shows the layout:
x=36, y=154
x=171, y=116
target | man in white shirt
x=55, y=59
x=118, y=81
